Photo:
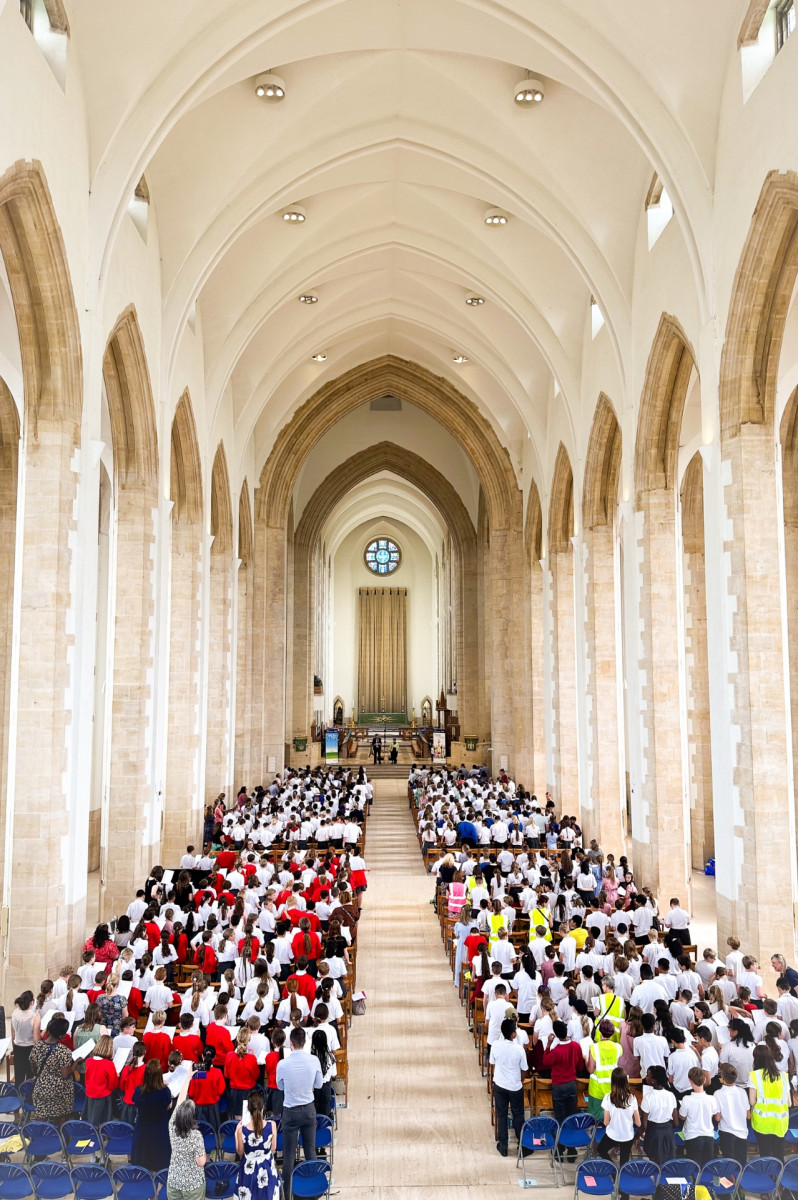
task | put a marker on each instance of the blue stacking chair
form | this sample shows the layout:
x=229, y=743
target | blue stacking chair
x=538, y=1136
x=603, y=1174
x=75, y=1133
x=10, y=1099
x=221, y=1180
x=41, y=1140
x=718, y=1169
x=325, y=1139
x=8, y=1130
x=760, y=1177
x=51, y=1181
x=117, y=1139
x=133, y=1183
x=160, y=1179
x=311, y=1180
x=15, y=1182
x=26, y=1094
x=639, y=1177
x=227, y=1138
x=789, y=1176
x=80, y=1098
x=686, y=1170
x=208, y=1136
x=92, y=1182
x=577, y=1132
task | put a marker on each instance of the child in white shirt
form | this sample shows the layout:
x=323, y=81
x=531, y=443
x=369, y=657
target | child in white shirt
x=698, y=1112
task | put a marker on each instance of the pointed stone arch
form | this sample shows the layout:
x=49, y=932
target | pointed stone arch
x=670, y=366
x=244, y=525
x=221, y=505
x=51, y=830
x=533, y=525
x=561, y=504
x=760, y=300
x=186, y=465
x=130, y=404
x=602, y=466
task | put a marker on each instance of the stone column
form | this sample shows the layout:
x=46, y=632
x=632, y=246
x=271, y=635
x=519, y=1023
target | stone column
x=702, y=829
x=565, y=744
x=269, y=646
x=9, y=455
x=183, y=814
x=243, y=762
x=761, y=806
x=220, y=650
x=606, y=822
x=538, y=677
x=467, y=650
x=42, y=934
x=510, y=683
x=131, y=733
x=660, y=841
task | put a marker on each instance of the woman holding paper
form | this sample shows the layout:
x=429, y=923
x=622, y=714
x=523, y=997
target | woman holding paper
x=151, y=1132
x=53, y=1066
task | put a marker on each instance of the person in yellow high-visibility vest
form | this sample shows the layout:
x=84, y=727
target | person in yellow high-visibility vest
x=610, y=1007
x=540, y=915
x=769, y=1094
x=601, y=1062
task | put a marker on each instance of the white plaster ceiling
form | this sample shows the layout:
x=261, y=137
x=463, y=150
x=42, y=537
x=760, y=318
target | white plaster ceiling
x=398, y=130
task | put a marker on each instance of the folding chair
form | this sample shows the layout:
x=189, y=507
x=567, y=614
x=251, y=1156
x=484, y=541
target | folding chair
x=8, y=1130
x=10, y=1099
x=639, y=1177
x=760, y=1177
x=117, y=1139
x=208, y=1136
x=92, y=1182
x=80, y=1098
x=133, y=1183
x=221, y=1180
x=311, y=1180
x=41, y=1140
x=160, y=1179
x=26, y=1094
x=789, y=1176
x=15, y=1182
x=227, y=1138
x=595, y=1177
x=576, y=1133
x=51, y=1181
x=538, y=1135
x=715, y=1172
x=81, y=1140
x=680, y=1170
x=324, y=1136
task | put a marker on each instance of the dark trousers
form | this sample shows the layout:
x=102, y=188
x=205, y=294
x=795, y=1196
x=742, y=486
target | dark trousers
x=321, y=1099
x=505, y=1099
x=683, y=935
x=624, y=1149
x=702, y=1149
x=733, y=1147
x=563, y=1101
x=298, y=1122
x=22, y=1067
x=770, y=1145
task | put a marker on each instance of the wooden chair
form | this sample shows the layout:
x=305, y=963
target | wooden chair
x=342, y=1067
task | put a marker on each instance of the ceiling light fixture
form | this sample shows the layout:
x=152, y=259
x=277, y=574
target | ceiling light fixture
x=319, y=357
x=295, y=214
x=529, y=91
x=496, y=216
x=475, y=300
x=270, y=87
x=459, y=358
x=308, y=298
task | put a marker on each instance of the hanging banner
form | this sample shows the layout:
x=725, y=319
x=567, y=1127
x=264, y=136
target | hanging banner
x=439, y=745
x=331, y=745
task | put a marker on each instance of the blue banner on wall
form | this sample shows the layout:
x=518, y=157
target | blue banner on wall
x=331, y=745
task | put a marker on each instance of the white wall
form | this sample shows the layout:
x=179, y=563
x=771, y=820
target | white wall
x=417, y=574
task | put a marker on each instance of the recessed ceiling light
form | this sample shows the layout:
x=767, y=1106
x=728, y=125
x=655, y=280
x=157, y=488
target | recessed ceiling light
x=529, y=91
x=294, y=214
x=319, y=357
x=308, y=298
x=475, y=299
x=459, y=358
x=270, y=87
x=496, y=216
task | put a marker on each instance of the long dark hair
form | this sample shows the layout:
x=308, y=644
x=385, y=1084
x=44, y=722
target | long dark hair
x=320, y=1047
x=620, y=1095
x=100, y=936
x=255, y=1106
x=153, y=1077
x=740, y=1031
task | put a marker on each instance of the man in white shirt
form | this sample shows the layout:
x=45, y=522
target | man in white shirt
x=495, y=1012
x=508, y=1060
x=137, y=908
x=189, y=860
x=678, y=921
x=647, y=991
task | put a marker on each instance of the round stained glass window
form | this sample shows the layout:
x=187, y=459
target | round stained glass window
x=382, y=556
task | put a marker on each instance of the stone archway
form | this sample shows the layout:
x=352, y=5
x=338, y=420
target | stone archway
x=508, y=632
x=659, y=837
x=565, y=745
x=384, y=456
x=182, y=806
x=49, y=833
x=127, y=819
x=605, y=788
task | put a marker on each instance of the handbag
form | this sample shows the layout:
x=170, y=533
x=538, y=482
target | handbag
x=359, y=1004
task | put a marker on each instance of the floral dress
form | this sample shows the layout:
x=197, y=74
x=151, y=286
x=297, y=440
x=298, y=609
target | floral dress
x=257, y=1172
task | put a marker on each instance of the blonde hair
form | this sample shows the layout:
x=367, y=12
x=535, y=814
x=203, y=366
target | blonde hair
x=104, y=1047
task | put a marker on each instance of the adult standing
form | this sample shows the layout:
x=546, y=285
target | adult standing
x=105, y=949
x=677, y=920
x=54, y=1089
x=769, y=1096
x=151, y=1146
x=563, y=1057
x=604, y=1057
x=789, y=974
x=256, y=1140
x=508, y=1059
x=186, y=1178
x=22, y=1036
x=297, y=1078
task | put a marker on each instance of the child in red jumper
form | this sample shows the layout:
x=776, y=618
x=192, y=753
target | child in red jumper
x=101, y=1082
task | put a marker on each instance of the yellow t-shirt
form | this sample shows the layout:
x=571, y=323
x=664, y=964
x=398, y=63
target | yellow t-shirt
x=580, y=937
